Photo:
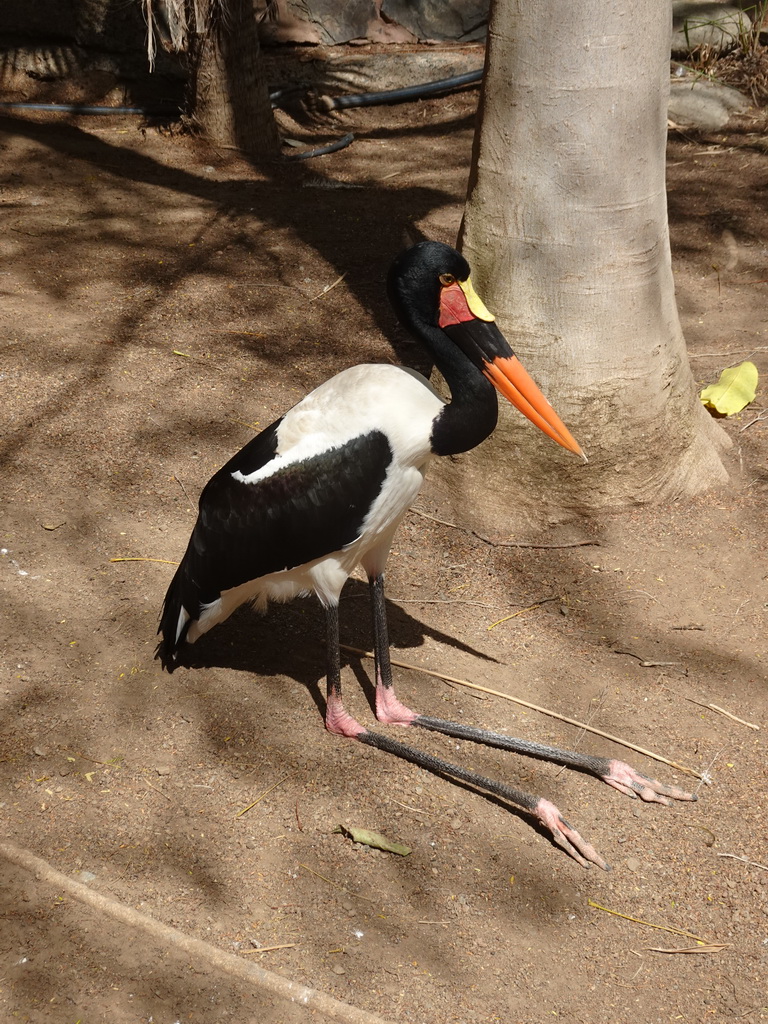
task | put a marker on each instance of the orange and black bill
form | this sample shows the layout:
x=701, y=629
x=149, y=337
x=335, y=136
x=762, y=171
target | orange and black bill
x=464, y=317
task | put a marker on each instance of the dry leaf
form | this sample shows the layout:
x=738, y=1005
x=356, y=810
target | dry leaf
x=734, y=391
x=367, y=838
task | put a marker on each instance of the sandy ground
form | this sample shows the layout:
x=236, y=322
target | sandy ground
x=159, y=302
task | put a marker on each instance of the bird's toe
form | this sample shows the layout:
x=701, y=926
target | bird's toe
x=634, y=784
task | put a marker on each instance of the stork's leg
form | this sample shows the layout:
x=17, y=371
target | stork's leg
x=390, y=709
x=562, y=833
x=338, y=720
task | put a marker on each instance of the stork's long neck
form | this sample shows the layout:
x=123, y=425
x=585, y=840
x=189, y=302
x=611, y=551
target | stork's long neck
x=472, y=413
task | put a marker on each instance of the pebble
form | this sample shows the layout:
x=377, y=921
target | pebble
x=338, y=969
x=163, y=769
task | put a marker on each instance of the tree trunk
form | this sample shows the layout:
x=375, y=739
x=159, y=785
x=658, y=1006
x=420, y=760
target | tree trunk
x=566, y=231
x=228, y=97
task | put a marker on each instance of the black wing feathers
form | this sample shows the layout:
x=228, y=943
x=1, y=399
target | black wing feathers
x=295, y=515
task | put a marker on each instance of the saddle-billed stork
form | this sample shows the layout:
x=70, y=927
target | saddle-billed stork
x=324, y=488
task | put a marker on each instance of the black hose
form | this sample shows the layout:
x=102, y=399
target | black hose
x=79, y=108
x=411, y=92
x=363, y=99
x=322, y=150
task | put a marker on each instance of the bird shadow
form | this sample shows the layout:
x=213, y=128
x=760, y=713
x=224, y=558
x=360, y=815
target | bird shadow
x=289, y=640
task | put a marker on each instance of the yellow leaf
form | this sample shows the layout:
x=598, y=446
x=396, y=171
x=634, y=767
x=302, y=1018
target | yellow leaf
x=734, y=391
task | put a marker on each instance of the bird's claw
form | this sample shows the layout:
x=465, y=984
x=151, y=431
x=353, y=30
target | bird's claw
x=567, y=837
x=634, y=784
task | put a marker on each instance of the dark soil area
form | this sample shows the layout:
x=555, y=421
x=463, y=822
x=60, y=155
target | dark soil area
x=160, y=301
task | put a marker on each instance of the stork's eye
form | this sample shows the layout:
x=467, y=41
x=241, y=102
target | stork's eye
x=447, y=279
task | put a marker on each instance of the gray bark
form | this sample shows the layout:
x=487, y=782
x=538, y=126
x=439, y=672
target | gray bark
x=566, y=230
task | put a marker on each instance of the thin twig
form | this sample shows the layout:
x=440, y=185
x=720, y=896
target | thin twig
x=265, y=793
x=417, y=668
x=709, y=947
x=643, y=662
x=536, y=604
x=531, y=544
x=165, y=561
x=763, y=415
x=533, y=707
x=416, y=810
x=722, y=711
x=170, y=801
x=730, y=352
x=336, y=885
x=328, y=287
x=744, y=860
x=734, y=718
x=433, y=600
x=648, y=924
x=434, y=519
x=269, y=949
x=93, y=760
x=178, y=480
x=634, y=590
x=504, y=543
x=703, y=828
x=198, y=359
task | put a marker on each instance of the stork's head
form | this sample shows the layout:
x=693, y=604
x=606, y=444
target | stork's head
x=430, y=288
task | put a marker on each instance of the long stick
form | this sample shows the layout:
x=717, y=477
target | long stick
x=295, y=993
x=533, y=707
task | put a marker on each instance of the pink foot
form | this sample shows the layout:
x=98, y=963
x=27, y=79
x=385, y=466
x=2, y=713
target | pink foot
x=338, y=720
x=624, y=778
x=391, y=710
x=567, y=837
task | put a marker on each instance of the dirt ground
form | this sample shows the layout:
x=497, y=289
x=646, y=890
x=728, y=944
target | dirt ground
x=159, y=301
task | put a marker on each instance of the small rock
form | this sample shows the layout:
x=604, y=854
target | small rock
x=40, y=751
x=632, y=864
x=163, y=769
x=338, y=969
x=700, y=24
x=706, y=105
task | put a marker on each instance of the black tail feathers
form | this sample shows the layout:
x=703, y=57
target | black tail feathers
x=173, y=607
